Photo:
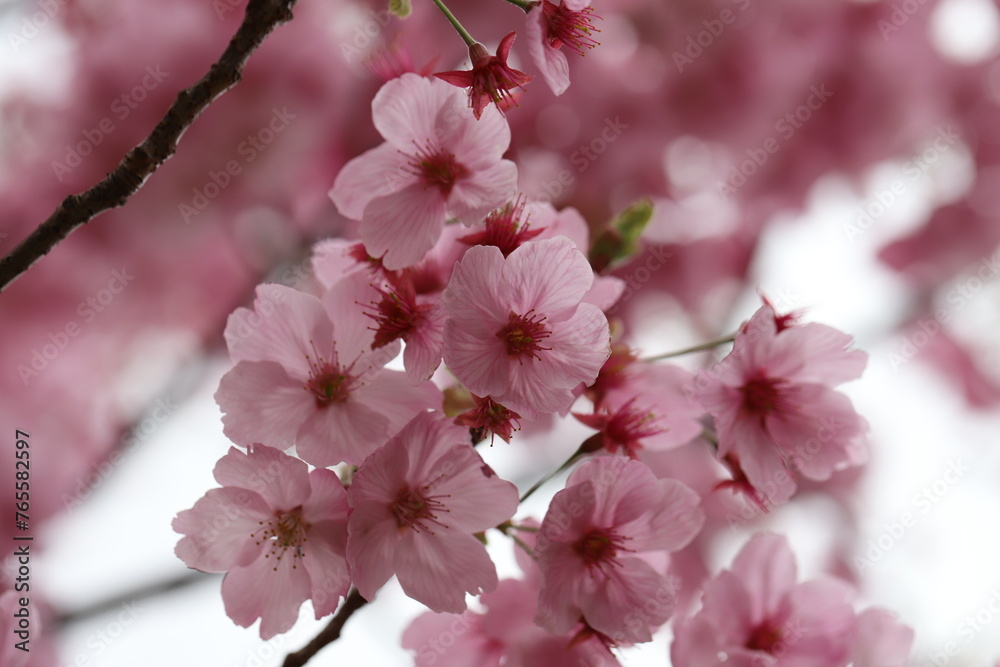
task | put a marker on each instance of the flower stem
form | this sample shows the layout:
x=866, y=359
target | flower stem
x=454, y=22
x=697, y=348
x=524, y=545
x=567, y=463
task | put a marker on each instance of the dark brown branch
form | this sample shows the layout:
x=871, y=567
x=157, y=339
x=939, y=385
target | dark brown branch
x=262, y=16
x=330, y=633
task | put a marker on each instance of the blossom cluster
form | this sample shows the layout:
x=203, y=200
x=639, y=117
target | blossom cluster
x=349, y=472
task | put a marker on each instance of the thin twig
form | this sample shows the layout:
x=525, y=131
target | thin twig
x=262, y=16
x=330, y=633
x=697, y=348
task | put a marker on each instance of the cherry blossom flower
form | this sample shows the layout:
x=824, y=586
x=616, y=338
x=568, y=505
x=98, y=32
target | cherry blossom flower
x=650, y=411
x=881, y=640
x=506, y=228
x=517, y=330
x=756, y=614
x=437, y=162
x=417, y=502
x=504, y=634
x=602, y=549
x=490, y=79
x=402, y=314
x=549, y=26
x=304, y=379
x=277, y=530
x=774, y=405
x=519, y=221
x=490, y=416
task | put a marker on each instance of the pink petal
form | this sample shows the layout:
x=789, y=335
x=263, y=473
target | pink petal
x=437, y=569
x=217, y=529
x=425, y=345
x=620, y=607
x=331, y=261
x=674, y=522
x=281, y=480
x=881, y=640
x=352, y=332
x=503, y=51
x=261, y=591
x=325, y=560
x=579, y=347
x=696, y=644
x=372, y=541
x=279, y=329
x=327, y=499
x=381, y=475
x=485, y=499
x=402, y=227
x=479, y=145
x=475, y=196
x=821, y=353
x=472, y=296
x=767, y=568
x=726, y=604
x=550, y=276
x=822, y=625
x=562, y=585
x=550, y=62
x=261, y=403
x=392, y=396
x=762, y=461
x=816, y=438
x=528, y=393
x=483, y=369
x=451, y=640
x=375, y=173
x=406, y=109
x=605, y=291
x=460, y=78
x=341, y=433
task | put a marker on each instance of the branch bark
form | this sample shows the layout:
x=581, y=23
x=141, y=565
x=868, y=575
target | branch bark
x=262, y=16
x=330, y=633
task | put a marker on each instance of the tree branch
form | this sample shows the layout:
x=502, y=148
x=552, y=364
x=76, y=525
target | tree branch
x=330, y=633
x=262, y=16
